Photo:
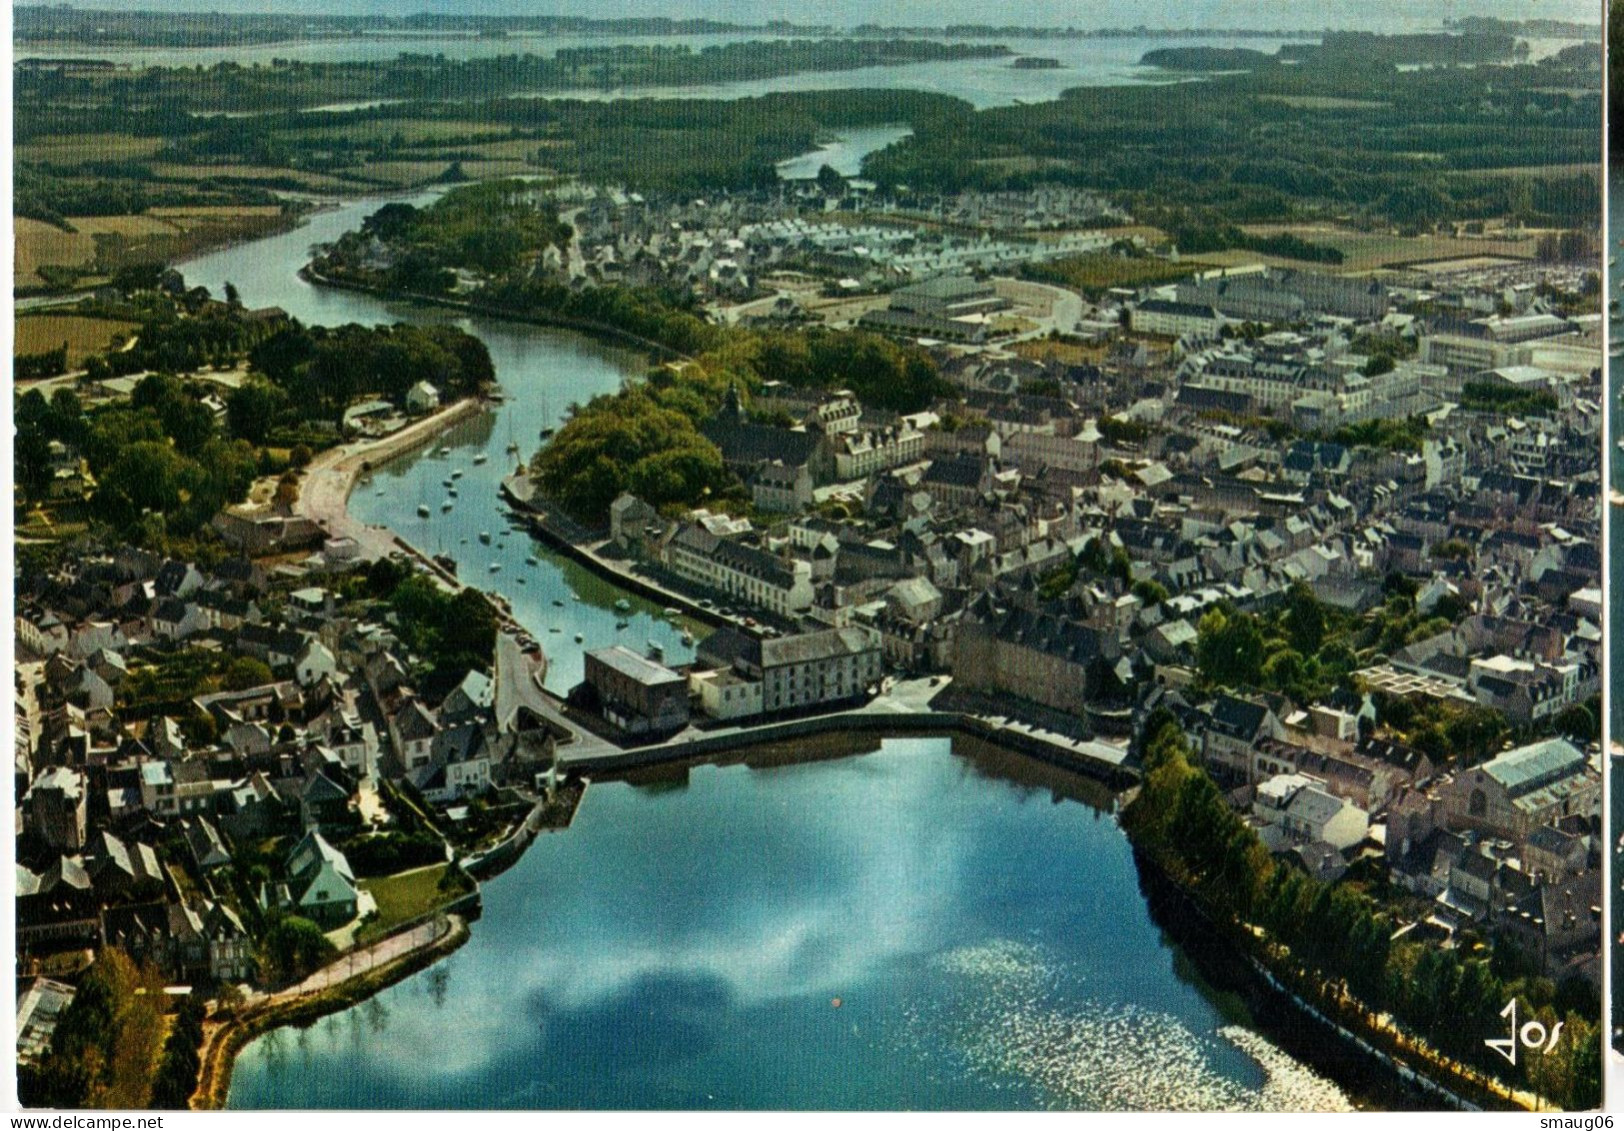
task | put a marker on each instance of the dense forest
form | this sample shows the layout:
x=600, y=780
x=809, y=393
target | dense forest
x=1326, y=135
x=295, y=84
x=1334, y=132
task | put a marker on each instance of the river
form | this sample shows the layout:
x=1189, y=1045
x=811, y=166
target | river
x=682, y=947
x=541, y=371
x=982, y=82
x=910, y=928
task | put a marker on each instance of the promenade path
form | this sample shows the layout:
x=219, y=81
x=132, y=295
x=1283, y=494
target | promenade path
x=368, y=958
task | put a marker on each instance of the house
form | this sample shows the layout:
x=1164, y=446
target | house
x=473, y=698
x=1044, y=657
x=812, y=668
x=422, y=397
x=175, y=619
x=1554, y=854
x=1302, y=808
x=780, y=585
x=1556, y=920
x=121, y=872
x=461, y=759
x=1175, y=319
x=726, y=694
x=56, y=908
x=323, y=803
x=320, y=885
x=204, y=843
x=278, y=647
x=412, y=729
x=55, y=808
x=637, y=695
x=206, y=942
x=316, y=662
x=1235, y=726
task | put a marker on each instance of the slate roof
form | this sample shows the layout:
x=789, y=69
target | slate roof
x=1528, y=768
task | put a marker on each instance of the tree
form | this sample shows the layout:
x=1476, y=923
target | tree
x=254, y=408
x=1229, y=648
x=830, y=182
x=292, y=948
x=1576, y=721
x=1304, y=619
x=245, y=672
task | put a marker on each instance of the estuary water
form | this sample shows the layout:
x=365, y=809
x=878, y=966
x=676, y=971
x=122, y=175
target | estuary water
x=900, y=929
x=682, y=945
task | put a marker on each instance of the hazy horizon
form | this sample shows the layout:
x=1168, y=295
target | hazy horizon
x=1373, y=14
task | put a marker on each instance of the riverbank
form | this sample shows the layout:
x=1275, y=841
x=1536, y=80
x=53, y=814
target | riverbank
x=1336, y=1034
x=324, y=493
x=484, y=310
x=222, y=1042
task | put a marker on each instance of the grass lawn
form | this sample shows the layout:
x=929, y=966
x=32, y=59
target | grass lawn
x=405, y=896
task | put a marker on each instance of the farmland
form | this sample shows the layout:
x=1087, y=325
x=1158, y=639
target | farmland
x=37, y=333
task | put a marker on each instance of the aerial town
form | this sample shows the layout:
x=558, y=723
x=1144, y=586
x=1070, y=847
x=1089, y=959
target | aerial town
x=1325, y=535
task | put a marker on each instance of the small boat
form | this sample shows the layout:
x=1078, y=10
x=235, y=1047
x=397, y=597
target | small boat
x=521, y=581
x=457, y=474
x=655, y=649
x=496, y=567
x=547, y=433
x=673, y=613
x=453, y=492
x=445, y=506
x=422, y=510
x=485, y=537
x=620, y=624
x=445, y=482
x=555, y=628
x=558, y=604
x=688, y=639
x=513, y=447
x=579, y=638
x=379, y=491
x=532, y=561
x=445, y=451
x=623, y=606
x=480, y=458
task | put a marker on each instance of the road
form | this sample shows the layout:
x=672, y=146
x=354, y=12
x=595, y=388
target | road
x=1054, y=308
x=518, y=684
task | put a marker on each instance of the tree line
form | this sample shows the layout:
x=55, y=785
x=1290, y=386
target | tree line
x=1342, y=938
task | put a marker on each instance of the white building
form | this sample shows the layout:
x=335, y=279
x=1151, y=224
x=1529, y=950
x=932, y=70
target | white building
x=780, y=585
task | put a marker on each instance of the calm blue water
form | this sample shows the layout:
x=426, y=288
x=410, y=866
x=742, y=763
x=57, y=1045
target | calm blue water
x=844, y=154
x=542, y=372
x=682, y=947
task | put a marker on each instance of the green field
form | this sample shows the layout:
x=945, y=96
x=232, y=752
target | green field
x=404, y=897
